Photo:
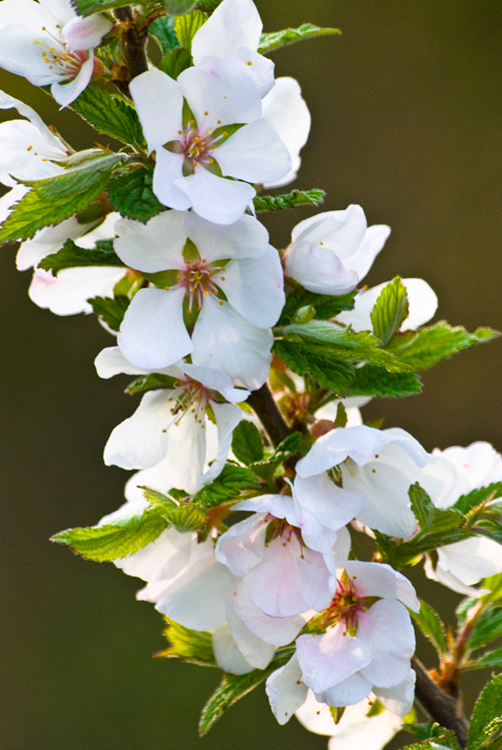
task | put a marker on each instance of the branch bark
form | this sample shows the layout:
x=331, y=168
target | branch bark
x=269, y=415
x=134, y=47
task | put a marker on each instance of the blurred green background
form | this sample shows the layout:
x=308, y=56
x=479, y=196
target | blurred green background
x=407, y=112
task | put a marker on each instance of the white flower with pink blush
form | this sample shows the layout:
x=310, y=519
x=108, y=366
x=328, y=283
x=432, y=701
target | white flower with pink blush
x=208, y=163
x=228, y=276
x=47, y=43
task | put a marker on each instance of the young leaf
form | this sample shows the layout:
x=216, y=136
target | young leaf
x=87, y=7
x=431, y=626
x=175, y=62
x=163, y=29
x=227, y=486
x=323, y=367
x=179, y=7
x=431, y=519
x=185, y=518
x=187, y=26
x=390, y=310
x=110, y=114
x=247, y=444
x=324, y=305
x=54, y=199
x=478, y=496
x=132, y=196
x=276, y=39
x=376, y=381
x=444, y=741
x=74, y=256
x=486, y=720
x=312, y=197
x=146, y=382
x=193, y=646
x=111, y=541
x=111, y=309
x=491, y=659
x=233, y=687
x=426, y=348
x=487, y=628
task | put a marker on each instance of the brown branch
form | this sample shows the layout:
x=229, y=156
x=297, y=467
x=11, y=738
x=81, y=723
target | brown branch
x=133, y=46
x=262, y=402
x=440, y=706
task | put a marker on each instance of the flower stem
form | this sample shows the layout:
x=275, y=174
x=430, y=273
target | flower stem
x=267, y=411
x=134, y=41
x=441, y=707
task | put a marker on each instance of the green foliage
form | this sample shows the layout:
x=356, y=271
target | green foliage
x=486, y=720
x=192, y=646
x=111, y=541
x=323, y=366
x=247, y=444
x=492, y=659
x=267, y=467
x=376, y=381
x=186, y=518
x=444, y=741
x=227, y=486
x=147, y=382
x=187, y=26
x=163, y=29
x=431, y=626
x=426, y=348
x=175, y=62
x=110, y=114
x=425, y=731
x=233, y=687
x=478, y=496
x=179, y=7
x=132, y=196
x=312, y=197
x=55, y=199
x=111, y=309
x=73, y=256
x=323, y=306
x=87, y=7
x=431, y=519
x=486, y=628
x=390, y=310
x=277, y=39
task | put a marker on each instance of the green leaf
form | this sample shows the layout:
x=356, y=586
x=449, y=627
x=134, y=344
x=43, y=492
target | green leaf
x=146, y=382
x=74, y=256
x=175, y=62
x=390, y=310
x=426, y=348
x=187, y=26
x=227, y=486
x=111, y=309
x=431, y=626
x=87, y=7
x=276, y=39
x=110, y=114
x=163, y=29
x=312, y=197
x=158, y=499
x=426, y=730
x=486, y=720
x=324, y=305
x=491, y=659
x=233, y=687
x=247, y=443
x=376, y=381
x=186, y=518
x=444, y=741
x=55, y=199
x=322, y=366
x=478, y=496
x=267, y=467
x=192, y=646
x=346, y=344
x=179, y=7
x=432, y=519
x=131, y=194
x=487, y=628
x=111, y=541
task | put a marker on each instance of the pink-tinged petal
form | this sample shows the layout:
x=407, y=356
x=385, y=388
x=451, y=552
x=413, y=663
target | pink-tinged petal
x=255, y=650
x=154, y=246
x=141, y=440
x=380, y=579
x=160, y=123
x=234, y=24
x=276, y=630
x=217, y=381
x=153, y=333
x=221, y=91
x=68, y=292
x=84, y=33
x=215, y=198
x=260, y=67
x=478, y=465
x=66, y=93
x=254, y=153
x=227, y=654
x=318, y=269
x=328, y=659
x=223, y=339
x=471, y=559
x=243, y=545
x=227, y=417
x=387, y=630
x=245, y=238
x=46, y=241
x=351, y=691
x=445, y=578
x=398, y=699
x=169, y=548
x=285, y=109
x=255, y=288
x=168, y=169
x=20, y=55
x=286, y=691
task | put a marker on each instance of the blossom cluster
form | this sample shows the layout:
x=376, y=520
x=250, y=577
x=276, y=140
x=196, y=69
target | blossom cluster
x=205, y=311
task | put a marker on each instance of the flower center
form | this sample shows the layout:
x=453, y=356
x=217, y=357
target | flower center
x=58, y=58
x=345, y=606
x=279, y=528
x=197, y=280
x=189, y=395
x=197, y=144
